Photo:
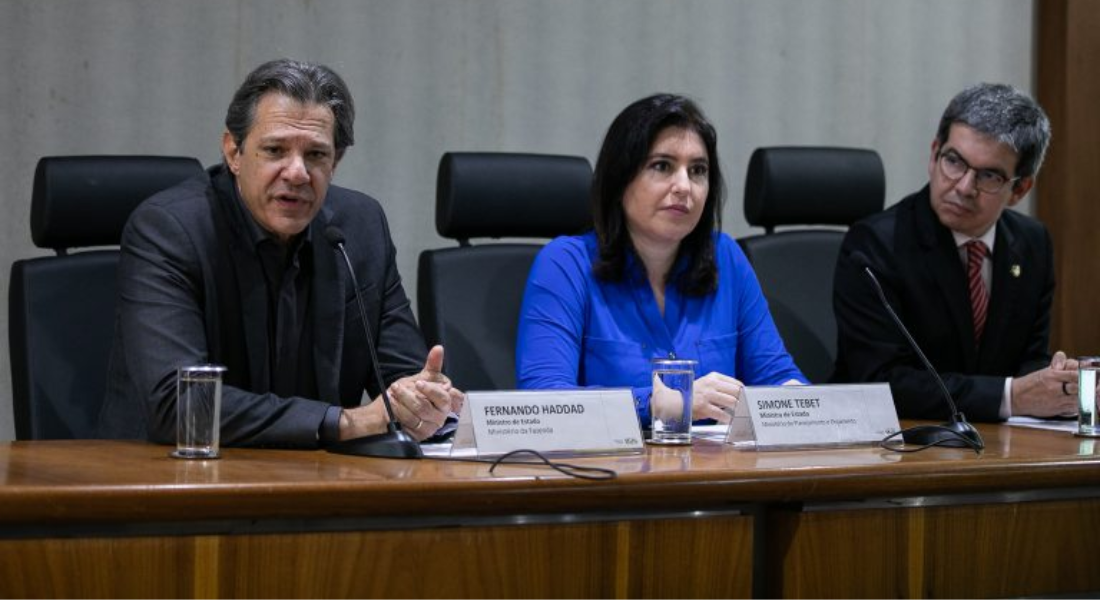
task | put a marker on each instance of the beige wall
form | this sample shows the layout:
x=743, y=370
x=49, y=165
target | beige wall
x=127, y=76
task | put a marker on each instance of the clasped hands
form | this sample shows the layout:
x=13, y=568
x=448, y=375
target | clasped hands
x=1048, y=392
x=715, y=396
x=420, y=402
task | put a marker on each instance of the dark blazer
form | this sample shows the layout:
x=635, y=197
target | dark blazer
x=918, y=264
x=191, y=291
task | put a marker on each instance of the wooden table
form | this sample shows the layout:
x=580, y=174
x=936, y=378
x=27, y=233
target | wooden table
x=122, y=519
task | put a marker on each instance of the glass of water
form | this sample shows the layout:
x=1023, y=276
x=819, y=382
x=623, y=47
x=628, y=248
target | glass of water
x=198, y=411
x=1088, y=421
x=670, y=404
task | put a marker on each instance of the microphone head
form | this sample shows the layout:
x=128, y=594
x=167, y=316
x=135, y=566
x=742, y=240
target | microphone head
x=334, y=235
x=863, y=263
x=860, y=259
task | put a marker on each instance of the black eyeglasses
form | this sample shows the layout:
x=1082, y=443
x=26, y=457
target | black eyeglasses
x=954, y=168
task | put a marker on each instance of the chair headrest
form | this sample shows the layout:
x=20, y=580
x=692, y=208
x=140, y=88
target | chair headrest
x=85, y=200
x=813, y=186
x=496, y=194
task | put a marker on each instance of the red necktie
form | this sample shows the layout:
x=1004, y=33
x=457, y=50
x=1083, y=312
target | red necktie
x=979, y=297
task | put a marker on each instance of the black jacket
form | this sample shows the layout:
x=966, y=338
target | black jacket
x=916, y=260
x=191, y=290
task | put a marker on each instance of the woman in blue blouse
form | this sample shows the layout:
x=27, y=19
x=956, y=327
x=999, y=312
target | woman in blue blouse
x=656, y=278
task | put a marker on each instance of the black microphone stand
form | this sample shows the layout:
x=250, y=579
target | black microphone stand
x=956, y=433
x=395, y=442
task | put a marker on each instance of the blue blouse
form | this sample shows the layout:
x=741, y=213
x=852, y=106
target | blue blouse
x=577, y=331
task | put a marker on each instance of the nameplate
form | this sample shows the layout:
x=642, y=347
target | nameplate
x=549, y=421
x=805, y=416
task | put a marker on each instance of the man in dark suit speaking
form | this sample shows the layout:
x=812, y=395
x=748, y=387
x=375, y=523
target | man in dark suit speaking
x=973, y=282
x=234, y=268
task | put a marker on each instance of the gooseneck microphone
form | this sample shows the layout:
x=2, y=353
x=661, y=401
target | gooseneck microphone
x=956, y=433
x=394, y=443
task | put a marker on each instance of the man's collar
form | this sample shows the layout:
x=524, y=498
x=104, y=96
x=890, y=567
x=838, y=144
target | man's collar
x=987, y=237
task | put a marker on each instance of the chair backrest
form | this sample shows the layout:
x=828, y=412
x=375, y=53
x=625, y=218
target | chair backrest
x=61, y=309
x=816, y=186
x=468, y=298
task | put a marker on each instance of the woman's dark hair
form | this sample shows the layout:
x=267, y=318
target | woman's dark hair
x=624, y=153
x=307, y=83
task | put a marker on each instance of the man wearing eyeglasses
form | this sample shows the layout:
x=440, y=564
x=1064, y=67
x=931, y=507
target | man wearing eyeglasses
x=972, y=282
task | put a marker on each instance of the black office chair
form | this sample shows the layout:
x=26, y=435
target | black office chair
x=61, y=309
x=468, y=298
x=826, y=187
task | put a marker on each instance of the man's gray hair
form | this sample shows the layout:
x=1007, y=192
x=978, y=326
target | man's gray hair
x=1007, y=115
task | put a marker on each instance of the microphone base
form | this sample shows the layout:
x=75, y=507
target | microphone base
x=946, y=435
x=392, y=444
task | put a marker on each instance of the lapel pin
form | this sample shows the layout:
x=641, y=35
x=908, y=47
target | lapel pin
x=1015, y=270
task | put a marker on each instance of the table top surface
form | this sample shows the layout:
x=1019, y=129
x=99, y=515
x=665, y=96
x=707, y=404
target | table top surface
x=99, y=480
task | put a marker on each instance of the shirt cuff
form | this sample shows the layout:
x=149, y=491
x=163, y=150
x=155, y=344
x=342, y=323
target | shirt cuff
x=329, y=432
x=1006, y=400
